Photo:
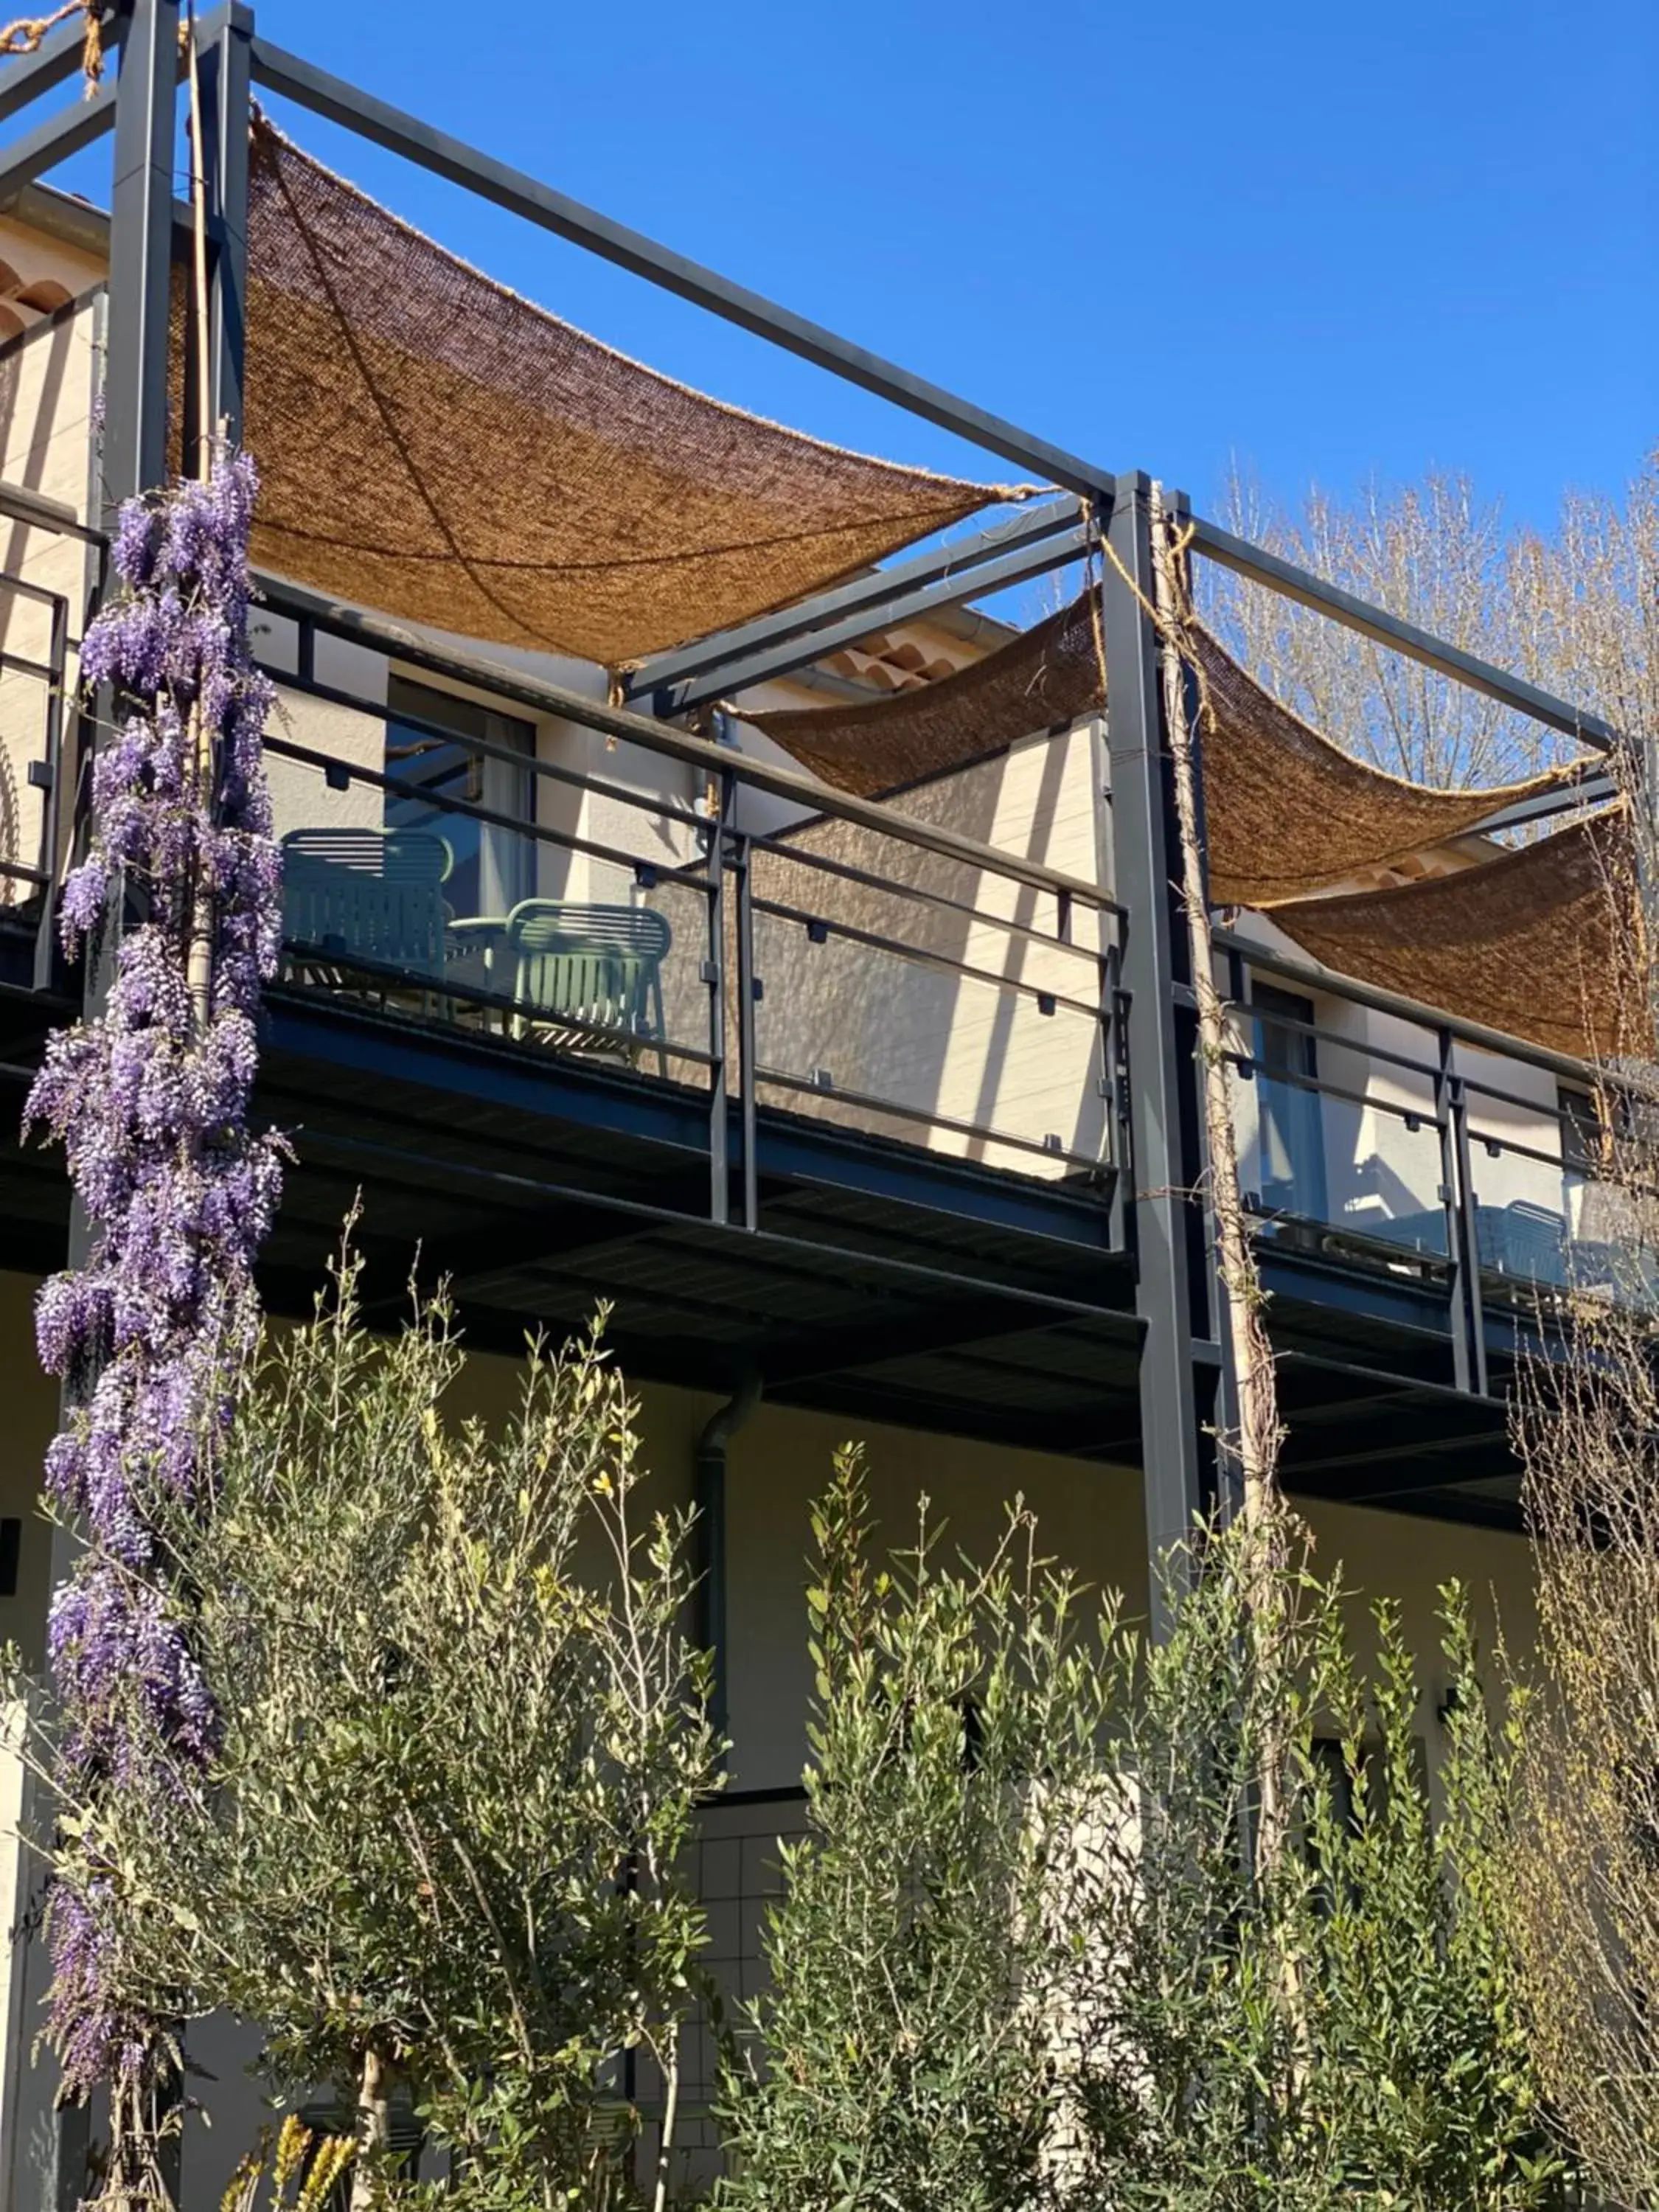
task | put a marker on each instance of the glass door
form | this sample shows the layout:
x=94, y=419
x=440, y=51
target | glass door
x=1292, y=1144
x=491, y=867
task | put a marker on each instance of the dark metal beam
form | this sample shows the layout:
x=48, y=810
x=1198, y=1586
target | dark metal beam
x=141, y=252
x=1596, y=789
x=225, y=74
x=1160, y=1211
x=869, y=594
x=1310, y=590
x=299, y=80
x=798, y=651
x=54, y=61
x=53, y=140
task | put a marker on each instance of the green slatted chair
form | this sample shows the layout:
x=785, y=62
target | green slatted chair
x=366, y=899
x=588, y=977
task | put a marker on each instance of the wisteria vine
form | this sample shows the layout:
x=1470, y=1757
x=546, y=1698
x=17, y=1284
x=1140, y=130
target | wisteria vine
x=149, y=1100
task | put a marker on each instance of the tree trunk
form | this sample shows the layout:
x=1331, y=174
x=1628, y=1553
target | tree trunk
x=376, y=2078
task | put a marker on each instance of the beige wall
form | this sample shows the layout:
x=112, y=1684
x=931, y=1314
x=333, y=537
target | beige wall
x=48, y=379
x=928, y=1040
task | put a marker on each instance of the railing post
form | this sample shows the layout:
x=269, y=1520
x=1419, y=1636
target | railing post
x=1162, y=1220
x=1470, y=1368
x=51, y=808
x=748, y=990
x=713, y=976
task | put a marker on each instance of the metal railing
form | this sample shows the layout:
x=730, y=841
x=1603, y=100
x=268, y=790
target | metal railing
x=821, y=954
x=1496, y=1183
x=32, y=761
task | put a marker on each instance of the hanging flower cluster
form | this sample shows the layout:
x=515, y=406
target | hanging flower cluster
x=150, y=1100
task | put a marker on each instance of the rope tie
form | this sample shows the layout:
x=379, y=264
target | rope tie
x=28, y=33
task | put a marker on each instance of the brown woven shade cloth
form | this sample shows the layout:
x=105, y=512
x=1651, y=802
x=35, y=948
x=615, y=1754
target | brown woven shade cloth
x=1287, y=813
x=1544, y=944
x=433, y=446
x=1040, y=680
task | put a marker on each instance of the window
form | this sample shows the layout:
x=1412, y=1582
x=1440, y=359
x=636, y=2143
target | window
x=1291, y=1139
x=492, y=867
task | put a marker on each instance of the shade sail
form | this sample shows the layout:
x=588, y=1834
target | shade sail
x=1286, y=810
x=1544, y=944
x=1287, y=813
x=431, y=445
x=1044, y=678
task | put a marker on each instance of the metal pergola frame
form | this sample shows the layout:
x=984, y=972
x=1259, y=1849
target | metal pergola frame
x=1183, y=1377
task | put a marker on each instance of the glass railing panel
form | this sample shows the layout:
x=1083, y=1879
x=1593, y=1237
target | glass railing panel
x=443, y=914
x=933, y=1021
x=1339, y=1172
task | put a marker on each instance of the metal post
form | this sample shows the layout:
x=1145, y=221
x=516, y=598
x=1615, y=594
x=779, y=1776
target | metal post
x=1467, y=1227
x=1161, y=1220
x=225, y=111
x=748, y=990
x=141, y=253
x=714, y=975
x=51, y=810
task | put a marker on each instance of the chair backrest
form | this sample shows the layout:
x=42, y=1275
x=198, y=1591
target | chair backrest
x=1533, y=1240
x=601, y=964
x=407, y=856
x=358, y=894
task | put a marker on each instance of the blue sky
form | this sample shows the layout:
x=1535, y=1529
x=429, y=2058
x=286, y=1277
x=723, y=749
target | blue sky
x=1329, y=239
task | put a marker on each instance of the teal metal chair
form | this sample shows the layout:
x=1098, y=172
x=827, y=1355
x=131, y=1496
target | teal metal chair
x=588, y=976
x=365, y=899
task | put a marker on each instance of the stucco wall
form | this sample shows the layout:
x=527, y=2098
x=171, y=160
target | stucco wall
x=48, y=379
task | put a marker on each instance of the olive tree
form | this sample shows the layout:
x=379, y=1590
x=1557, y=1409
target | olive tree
x=436, y=1852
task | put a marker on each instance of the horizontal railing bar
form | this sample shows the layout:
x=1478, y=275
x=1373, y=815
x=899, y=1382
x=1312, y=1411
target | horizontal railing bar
x=868, y=593
x=24, y=872
x=567, y=841
x=868, y=1102
x=727, y=679
x=1314, y=977
x=16, y=664
x=526, y=196
x=19, y=503
x=1335, y=1039
x=663, y=803
x=1517, y=1099
x=922, y=956
x=1321, y=1089
x=822, y=863
x=1505, y=1147
x=1311, y=591
x=783, y=845
x=632, y=727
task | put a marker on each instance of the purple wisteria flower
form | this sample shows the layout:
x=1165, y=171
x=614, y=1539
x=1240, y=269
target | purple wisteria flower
x=150, y=1103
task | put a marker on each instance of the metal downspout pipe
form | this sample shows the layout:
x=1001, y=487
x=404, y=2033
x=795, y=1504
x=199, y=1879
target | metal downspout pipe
x=708, y=1538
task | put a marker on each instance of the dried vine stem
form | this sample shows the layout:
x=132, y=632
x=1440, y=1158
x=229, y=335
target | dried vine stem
x=1253, y=1447
x=1250, y=1450
x=200, y=971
